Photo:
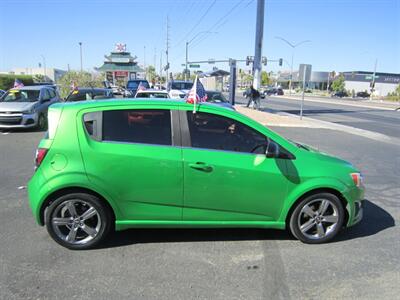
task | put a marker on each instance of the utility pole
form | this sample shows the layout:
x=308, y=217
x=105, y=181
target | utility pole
x=166, y=53
x=161, y=66
x=80, y=48
x=186, y=62
x=258, y=44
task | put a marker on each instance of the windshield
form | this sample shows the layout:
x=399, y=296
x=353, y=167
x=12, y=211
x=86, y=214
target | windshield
x=215, y=97
x=181, y=85
x=134, y=84
x=21, y=96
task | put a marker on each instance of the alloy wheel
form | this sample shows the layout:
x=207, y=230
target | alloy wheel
x=318, y=219
x=76, y=222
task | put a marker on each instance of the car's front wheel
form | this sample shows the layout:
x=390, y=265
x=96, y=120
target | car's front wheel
x=317, y=218
x=42, y=122
x=78, y=221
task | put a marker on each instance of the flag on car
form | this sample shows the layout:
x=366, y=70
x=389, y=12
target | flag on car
x=74, y=86
x=196, y=94
x=18, y=84
x=141, y=87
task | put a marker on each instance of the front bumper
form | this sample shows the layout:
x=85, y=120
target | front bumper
x=355, y=198
x=18, y=120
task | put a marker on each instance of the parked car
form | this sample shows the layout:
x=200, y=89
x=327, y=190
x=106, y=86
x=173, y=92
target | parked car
x=363, y=95
x=132, y=86
x=88, y=93
x=151, y=93
x=179, y=88
x=2, y=93
x=26, y=107
x=340, y=94
x=273, y=91
x=218, y=98
x=164, y=166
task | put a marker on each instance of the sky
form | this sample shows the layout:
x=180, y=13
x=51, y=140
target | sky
x=344, y=35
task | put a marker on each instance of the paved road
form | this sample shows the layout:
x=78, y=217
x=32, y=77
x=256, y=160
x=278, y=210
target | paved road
x=207, y=264
x=382, y=121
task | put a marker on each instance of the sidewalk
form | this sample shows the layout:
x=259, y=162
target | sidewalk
x=373, y=104
x=288, y=120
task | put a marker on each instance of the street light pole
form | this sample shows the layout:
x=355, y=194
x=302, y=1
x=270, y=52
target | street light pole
x=44, y=67
x=80, y=49
x=293, y=46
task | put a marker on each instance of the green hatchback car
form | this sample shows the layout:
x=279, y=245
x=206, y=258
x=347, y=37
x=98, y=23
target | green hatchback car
x=112, y=165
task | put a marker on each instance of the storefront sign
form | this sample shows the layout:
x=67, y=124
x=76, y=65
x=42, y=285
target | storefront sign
x=121, y=73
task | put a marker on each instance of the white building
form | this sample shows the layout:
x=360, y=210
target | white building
x=361, y=81
x=50, y=74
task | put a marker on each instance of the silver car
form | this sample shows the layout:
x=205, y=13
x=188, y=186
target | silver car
x=26, y=107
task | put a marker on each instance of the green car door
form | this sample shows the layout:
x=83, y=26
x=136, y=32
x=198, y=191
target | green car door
x=132, y=153
x=227, y=176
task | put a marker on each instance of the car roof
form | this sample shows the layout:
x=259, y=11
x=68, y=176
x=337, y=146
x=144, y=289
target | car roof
x=84, y=89
x=31, y=87
x=116, y=102
x=182, y=81
x=153, y=91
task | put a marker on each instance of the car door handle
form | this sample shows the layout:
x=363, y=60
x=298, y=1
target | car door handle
x=201, y=166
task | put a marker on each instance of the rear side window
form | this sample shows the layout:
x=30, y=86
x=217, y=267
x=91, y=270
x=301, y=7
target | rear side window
x=210, y=131
x=150, y=126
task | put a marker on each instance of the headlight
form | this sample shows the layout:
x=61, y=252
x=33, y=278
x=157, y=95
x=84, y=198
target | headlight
x=357, y=179
x=29, y=111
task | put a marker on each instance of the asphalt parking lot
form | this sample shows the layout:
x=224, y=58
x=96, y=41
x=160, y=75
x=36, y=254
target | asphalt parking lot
x=363, y=262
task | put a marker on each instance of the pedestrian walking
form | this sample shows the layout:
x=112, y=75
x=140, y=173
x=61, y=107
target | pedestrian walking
x=254, y=97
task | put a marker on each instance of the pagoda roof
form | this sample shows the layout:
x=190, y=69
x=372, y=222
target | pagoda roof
x=110, y=66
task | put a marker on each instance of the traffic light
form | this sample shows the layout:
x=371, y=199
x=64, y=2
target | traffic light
x=280, y=62
x=247, y=60
x=264, y=60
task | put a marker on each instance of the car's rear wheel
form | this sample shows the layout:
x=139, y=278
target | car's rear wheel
x=78, y=221
x=317, y=219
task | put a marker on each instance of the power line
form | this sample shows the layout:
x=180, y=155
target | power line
x=198, y=23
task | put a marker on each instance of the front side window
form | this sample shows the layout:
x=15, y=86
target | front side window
x=220, y=133
x=150, y=126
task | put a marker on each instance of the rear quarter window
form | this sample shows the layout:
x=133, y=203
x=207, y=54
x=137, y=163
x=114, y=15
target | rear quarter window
x=152, y=126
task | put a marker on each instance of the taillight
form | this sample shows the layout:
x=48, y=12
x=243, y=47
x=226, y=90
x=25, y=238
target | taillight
x=40, y=154
x=357, y=178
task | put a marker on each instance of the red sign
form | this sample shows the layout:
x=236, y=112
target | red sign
x=121, y=73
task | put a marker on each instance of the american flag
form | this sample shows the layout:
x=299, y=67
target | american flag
x=141, y=87
x=74, y=86
x=18, y=84
x=197, y=93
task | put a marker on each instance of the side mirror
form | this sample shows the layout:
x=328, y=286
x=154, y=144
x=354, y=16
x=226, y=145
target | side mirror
x=272, y=150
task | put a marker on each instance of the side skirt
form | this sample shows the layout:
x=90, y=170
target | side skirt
x=126, y=224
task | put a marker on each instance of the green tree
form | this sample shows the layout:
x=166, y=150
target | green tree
x=80, y=79
x=265, y=79
x=338, y=84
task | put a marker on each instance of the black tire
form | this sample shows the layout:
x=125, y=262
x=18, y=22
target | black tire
x=42, y=123
x=102, y=219
x=312, y=235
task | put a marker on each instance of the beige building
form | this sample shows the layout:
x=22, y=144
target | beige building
x=50, y=74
